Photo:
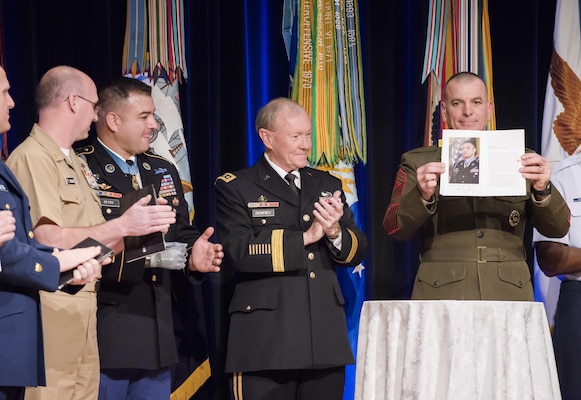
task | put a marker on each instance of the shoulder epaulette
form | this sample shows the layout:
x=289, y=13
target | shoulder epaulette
x=227, y=177
x=82, y=151
x=152, y=154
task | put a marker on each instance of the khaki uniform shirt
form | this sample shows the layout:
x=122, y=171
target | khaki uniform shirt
x=55, y=184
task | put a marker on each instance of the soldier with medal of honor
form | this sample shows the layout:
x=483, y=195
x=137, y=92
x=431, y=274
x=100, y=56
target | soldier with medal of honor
x=285, y=228
x=472, y=246
x=137, y=297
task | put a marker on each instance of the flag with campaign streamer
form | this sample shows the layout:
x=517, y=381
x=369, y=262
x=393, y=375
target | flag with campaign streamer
x=324, y=51
x=457, y=40
x=560, y=135
x=154, y=52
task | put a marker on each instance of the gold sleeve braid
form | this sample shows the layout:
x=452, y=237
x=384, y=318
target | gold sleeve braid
x=277, y=250
x=354, y=246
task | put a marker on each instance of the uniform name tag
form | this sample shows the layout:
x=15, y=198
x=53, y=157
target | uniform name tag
x=263, y=213
x=107, y=202
x=70, y=180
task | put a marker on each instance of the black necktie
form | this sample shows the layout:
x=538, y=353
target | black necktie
x=134, y=182
x=291, y=180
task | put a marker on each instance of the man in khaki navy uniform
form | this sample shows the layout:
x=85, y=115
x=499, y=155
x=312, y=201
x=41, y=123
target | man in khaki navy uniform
x=288, y=335
x=135, y=327
x=65, y=210
x=472, y=246
x=26, y=266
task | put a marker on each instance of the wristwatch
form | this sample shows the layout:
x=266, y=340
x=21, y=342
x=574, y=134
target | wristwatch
x=545, y=192
x=336, y=234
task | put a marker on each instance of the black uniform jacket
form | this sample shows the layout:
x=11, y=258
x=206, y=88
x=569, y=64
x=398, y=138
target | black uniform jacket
x=287, y=308
x=134, y=316
x=472, y=246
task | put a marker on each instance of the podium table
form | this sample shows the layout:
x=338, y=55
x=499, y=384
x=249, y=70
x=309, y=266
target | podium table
x=455, y=350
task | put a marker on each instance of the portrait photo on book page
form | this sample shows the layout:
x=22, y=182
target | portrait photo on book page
x=482, y=163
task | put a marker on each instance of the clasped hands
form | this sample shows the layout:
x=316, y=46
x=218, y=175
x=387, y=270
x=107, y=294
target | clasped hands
x=328, y=211
x=87, y=271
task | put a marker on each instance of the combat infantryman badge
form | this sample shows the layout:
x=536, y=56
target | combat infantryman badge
x=514, y=218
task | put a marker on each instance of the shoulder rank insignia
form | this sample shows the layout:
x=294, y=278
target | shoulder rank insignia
x=227, y=177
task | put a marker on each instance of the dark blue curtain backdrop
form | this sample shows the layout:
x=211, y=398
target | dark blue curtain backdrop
x=237, y=62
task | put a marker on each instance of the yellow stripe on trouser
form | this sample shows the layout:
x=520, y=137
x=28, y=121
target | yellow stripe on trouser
x=237, y=386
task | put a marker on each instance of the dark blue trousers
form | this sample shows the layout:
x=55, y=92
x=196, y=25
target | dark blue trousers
x=567, y=339
x=11, y=393
x=135, y=384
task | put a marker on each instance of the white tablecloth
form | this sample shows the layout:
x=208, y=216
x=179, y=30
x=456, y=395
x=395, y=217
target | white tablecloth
x=455, y=350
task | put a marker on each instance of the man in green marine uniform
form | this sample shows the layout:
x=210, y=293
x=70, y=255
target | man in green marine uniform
x=472, y=246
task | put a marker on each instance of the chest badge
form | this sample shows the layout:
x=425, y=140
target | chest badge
x=89, y=176
x=514, y=218
x=262, y=203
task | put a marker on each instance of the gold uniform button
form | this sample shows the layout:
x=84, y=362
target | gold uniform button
x=38, y=268
x=306, y=217
x=108, y=211
x=311, y=256
x=31, y=234
x=263, y=221
x=7, y=206
x=312, y=275
x=154, y=278
x=248, y=307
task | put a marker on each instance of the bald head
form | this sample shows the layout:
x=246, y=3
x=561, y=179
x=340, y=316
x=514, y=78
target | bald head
x=67, y=104
x=267, y=115
x=58, y=83
x=464, y=78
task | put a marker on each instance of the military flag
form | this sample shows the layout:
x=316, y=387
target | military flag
x=324, y=50
x=560, y=135
x=154, y=52
x=457, y=40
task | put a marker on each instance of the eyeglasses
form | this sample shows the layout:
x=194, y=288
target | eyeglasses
x=96, y=106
